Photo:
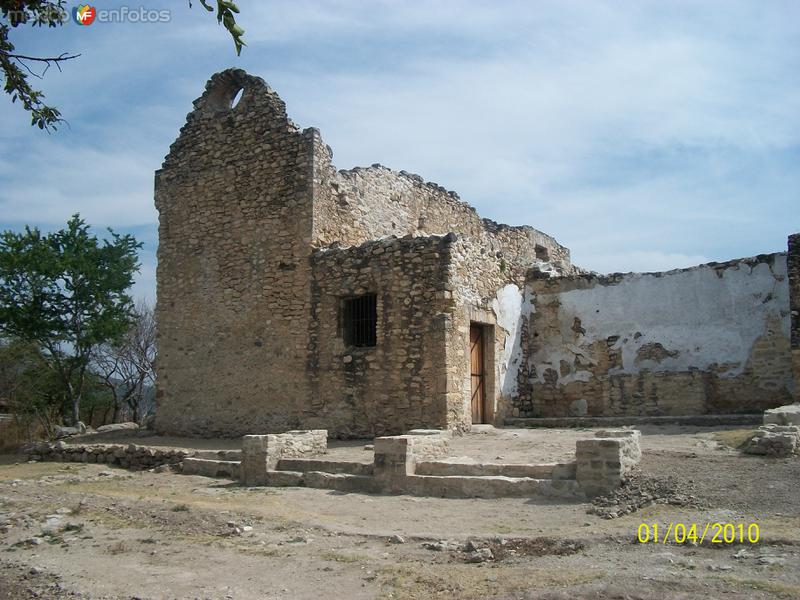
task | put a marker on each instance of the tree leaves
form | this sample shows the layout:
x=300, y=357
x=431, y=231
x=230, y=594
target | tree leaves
x=15, y=67
x=225, y=15
x=67, y=292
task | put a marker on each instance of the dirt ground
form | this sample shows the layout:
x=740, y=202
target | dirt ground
x=95, y=532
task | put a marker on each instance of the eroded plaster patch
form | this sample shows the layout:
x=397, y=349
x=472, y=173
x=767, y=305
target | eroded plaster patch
x=692, y=319
x=510, y=307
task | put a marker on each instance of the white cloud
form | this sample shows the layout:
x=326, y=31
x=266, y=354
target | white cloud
x=644, y=135
x=107, y=188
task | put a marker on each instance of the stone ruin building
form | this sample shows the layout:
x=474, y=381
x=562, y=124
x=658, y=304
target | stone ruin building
x=370, y=302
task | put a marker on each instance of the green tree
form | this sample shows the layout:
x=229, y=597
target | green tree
x=28, y=387
x=16, y=67
x=66, y=292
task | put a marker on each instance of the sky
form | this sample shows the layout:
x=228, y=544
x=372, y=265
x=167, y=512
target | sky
x=643, y=135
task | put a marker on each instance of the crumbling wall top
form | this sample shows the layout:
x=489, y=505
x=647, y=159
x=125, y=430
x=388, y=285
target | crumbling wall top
x=233, y=101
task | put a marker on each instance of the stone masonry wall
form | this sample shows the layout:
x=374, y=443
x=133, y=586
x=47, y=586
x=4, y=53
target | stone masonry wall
x=399, y=384
x=793, y=264
x=486, y=290
x=125, y=455
x=362, y=204
x=489, y=290
x=252, y=274
x=261, y=453
x=710, y=339
x=235, y=227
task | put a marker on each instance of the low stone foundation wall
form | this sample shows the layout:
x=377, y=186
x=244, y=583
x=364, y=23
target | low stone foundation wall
x=396, y=456
x=261, y=453
x=447, y=468
x=411, y=464
x=125, y=455
x=229, y=469
x=296, y=444
x=403, y=464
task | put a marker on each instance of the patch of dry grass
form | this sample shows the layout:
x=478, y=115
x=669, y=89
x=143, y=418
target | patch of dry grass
x=734, y=438
x=468, y=582
x=344, y=557
x=263, y=552
x=23, y=470
x=780, y=589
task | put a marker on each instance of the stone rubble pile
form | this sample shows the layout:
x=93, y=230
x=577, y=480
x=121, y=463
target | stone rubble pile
x=499, y=549
x=638, y=490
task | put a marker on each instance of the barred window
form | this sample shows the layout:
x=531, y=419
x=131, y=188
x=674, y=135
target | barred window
x=361, y=320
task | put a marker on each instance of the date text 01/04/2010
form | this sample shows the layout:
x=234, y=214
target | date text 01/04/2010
x=697, y=533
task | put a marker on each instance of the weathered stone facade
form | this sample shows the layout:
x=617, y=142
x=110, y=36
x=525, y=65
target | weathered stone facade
x=234, y=280
x=710, y=339
x=263, y=244
x=261, y=240
x=399, y=383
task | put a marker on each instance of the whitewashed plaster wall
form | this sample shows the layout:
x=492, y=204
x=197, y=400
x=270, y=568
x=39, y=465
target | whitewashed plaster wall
x=510, y=306
x=700, y=317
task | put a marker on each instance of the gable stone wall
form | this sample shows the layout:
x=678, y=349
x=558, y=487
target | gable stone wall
x=261, y=239
x=235, y=229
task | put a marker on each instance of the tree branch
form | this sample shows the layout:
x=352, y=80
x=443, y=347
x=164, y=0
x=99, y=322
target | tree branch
x=48, y=59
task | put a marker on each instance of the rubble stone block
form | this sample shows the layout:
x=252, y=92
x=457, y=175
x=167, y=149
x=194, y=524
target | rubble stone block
x=783, y=415
x=599, y=465
x=254, y=459
x=394, y=460
x=631, y=446
x=775, y=440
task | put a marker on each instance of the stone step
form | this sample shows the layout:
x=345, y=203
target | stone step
x=341, y=482
x=491, y=487
x=475, y=469
x=327, y=466
x=285, y=478
x=219, y=454
x=696, y=420
x=228, y=469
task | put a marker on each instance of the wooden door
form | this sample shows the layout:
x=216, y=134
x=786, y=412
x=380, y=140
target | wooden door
x=477, y=372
